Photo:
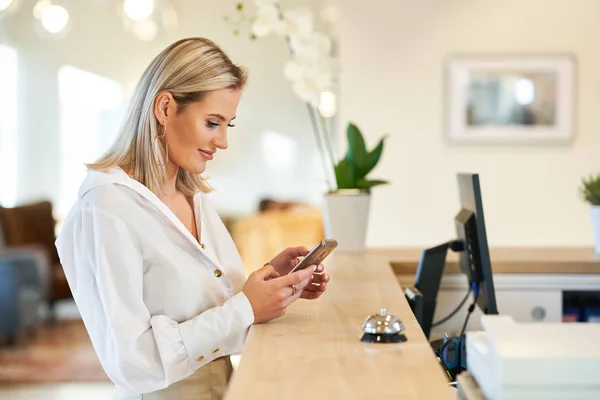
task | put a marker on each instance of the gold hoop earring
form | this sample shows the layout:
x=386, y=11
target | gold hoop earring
x=164, y=136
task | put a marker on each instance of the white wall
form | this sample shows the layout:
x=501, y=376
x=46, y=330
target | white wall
x=98, y=43
x=391, y=55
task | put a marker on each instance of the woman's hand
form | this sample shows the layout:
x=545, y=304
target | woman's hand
x=317, y=286
x=270, y=294
x=285, y=261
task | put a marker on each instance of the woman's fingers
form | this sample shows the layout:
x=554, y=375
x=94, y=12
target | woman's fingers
x=310, y=295
x=318, y=278
x=321, y=287
x=294, y=294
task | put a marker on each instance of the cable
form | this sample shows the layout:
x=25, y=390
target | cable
x=457, y=309
x=471, y=308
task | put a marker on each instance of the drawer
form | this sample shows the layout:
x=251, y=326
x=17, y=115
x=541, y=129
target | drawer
x=531, y=306
x=523, y=306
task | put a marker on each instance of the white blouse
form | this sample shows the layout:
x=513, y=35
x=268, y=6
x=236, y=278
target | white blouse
x=157, y=304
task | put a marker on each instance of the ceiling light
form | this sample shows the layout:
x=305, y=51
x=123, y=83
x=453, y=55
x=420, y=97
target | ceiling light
x=138, y=10
x=40, y=7
x=4, y=4
x=55, y=18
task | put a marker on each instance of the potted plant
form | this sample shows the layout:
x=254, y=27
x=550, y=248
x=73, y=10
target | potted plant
x=346, y=209
x=312, y=72
x=590, y=190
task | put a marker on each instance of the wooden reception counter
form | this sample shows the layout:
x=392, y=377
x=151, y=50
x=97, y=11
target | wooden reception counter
x=314, y=351
x=510, y=260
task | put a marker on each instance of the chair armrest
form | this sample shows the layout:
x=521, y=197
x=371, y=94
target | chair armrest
x=29, y=249
x=32, y=267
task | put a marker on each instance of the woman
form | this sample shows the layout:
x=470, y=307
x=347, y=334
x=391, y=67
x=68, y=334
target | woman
x=155, y=275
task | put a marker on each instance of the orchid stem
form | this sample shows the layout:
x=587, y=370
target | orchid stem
x=327, y=138
x=321, y=143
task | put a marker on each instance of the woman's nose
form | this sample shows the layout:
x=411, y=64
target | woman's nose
x=221, y=140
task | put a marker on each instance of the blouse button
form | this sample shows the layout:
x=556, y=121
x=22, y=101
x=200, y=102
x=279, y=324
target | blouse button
x=203, y=245
x=218, y=273
x=215, y=351
x=200, y=358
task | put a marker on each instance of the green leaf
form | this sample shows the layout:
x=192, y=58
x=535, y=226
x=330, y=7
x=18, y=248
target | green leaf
x=252, y=36
x=367, y=184
x=372, y=158
x=239, y=6
x=344, y=175
x=352, y=170
x=357, y=151
x=363, y=160
x=590, y=189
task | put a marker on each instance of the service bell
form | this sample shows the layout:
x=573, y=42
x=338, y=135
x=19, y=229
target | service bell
x=383, y=328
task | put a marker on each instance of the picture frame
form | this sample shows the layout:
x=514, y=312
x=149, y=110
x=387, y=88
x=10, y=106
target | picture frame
x=510, y=99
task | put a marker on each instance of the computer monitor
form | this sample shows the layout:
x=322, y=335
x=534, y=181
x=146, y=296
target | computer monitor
x=470, y=228
x=472, y=246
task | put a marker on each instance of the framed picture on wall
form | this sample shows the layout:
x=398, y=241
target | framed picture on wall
x=510, y=99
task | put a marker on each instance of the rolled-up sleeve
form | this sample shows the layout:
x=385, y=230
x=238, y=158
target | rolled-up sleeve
x=139, y=351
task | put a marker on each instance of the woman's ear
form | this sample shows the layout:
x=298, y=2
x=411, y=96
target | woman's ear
x=163, y=106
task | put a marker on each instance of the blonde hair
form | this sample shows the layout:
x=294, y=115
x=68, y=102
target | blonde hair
x=188, y=69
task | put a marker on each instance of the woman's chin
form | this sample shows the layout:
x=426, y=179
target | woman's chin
x=195, y=168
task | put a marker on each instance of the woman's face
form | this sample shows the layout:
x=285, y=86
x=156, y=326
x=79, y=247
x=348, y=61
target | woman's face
x=196, y=133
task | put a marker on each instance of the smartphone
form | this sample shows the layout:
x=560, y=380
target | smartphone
x=317, y=254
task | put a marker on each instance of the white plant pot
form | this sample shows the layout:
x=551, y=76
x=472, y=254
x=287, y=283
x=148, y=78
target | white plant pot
x=346, y=218
x=595, y=220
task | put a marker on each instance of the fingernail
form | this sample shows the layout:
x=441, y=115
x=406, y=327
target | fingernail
x=320, y=268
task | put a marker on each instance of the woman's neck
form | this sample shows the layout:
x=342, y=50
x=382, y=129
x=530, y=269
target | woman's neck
x=170, y=185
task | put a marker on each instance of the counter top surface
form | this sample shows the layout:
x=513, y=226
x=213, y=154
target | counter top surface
x=509, y=260
x=314, y=351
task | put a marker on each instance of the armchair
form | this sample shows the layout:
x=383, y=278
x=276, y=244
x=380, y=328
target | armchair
x=23, y=290
x=33, y=224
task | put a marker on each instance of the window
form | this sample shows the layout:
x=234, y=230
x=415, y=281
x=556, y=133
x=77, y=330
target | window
x=91, y=110
x=8, y=126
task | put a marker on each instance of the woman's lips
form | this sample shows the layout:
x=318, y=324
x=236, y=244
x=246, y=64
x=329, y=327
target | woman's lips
x=206, y=154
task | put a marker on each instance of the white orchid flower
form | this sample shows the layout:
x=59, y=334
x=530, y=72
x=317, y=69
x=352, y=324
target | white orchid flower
x=305, y=91
x=267, y=21
x=293, y=71
x=312, y=47
x=309, y=88
x=298, y=23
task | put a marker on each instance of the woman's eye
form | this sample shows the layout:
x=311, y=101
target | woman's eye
x=213, y=124
x=231, y=125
